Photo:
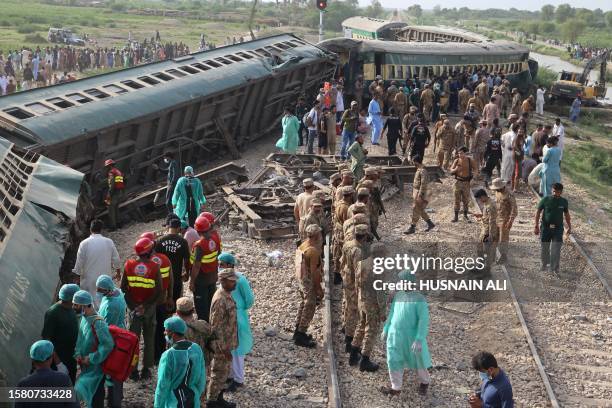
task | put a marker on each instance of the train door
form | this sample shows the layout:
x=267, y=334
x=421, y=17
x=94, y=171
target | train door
x=379, y=59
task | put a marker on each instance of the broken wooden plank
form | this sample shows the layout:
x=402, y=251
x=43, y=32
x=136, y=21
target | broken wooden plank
x=229, y=139
x=234, y=199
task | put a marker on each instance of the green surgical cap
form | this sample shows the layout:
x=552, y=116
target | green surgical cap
x=41, y=350
x=67, y=291
x=175, y=324
x=105, y=282
x=82, y=297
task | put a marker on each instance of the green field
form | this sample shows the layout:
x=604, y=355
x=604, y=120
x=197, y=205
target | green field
x=26, y=23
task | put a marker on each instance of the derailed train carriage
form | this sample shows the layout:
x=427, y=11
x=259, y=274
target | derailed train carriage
x=199, y=107
x=399, y=60
x=42, y=218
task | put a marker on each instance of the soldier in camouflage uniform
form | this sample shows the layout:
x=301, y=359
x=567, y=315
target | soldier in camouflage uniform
x=359, y=217
x=408, y=119
x=420, y=197
x=446, y=137
x=363, y=196
x=479, y=142
x=302, y=202
x=309, y=273
x=315, y=216
x=370, y=311
x=224, y=324
x=352, y=252
x=334, y=183
x=489, y=233
x=347, y=180
x=506, y=213
x=341, y=216
x=464, y=168
x=198, y=331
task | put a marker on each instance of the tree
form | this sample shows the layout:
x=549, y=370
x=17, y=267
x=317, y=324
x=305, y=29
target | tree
x=564, y=11
x=437, y=9
x=375, y=9
x=548, y=27
x=571, y=29
x=415, y=10
x=548, y=12
x=609, y=19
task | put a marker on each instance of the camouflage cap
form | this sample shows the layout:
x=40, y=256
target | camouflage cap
x=367, y=184
x=316, y=203
x=185, y=304
x=227, y=273
x=348, y=173
x=361, y=229
x=363, y=192
x=370, y=171
x=312, y=230
x=346, y=190
x=359, y=208
x=319, y=194
x=334, y=177
x=308, y=182
x=360, y=218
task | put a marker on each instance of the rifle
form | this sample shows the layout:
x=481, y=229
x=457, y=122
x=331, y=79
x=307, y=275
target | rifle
x=378, y=200
x=375, y=233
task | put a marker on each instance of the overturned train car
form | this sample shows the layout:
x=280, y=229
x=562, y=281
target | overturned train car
x=199, y=107
x=43, y=216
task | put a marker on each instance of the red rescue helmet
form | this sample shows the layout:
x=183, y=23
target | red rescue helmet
x=209, y=216
x=109, y=162
x=201, y=224
x=150, y=235
x=143, y=246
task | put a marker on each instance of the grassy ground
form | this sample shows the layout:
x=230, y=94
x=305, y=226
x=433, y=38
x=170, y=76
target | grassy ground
x=21, y=20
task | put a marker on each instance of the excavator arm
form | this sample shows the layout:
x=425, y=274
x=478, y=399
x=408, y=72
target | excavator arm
x=592, y=63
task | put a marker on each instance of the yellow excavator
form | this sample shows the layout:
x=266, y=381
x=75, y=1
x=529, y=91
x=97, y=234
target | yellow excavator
x=572, y=84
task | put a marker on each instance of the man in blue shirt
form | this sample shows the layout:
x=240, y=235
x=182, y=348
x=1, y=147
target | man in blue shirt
x=495, y=390
x=41, y=354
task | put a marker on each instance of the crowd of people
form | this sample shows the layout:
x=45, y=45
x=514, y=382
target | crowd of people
x=29, y=68
x=579, y=52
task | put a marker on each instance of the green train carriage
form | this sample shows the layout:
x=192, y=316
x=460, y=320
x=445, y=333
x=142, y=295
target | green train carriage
x=395, y=60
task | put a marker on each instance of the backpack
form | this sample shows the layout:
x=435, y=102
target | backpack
x=307, y=120
x=123, y=358
x=184, y=395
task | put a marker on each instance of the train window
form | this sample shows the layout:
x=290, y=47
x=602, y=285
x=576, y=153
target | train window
x=281, y=46
x=132, y=84
x=263, y=52
x=212, y=63
x=201, y=66
x=272, y=48
x=299, y=42
x=233, y=58
x=244, y=55
x=115, y=88
x=289, y=44
x=77, y=97
x=256, y=53
x=18, y=113
x=189, y=69
x=400, y=71
x=148, y=80
x=223, y=60
x=176, y=72
x=96, y=93
x=162, y=76
x=39, y=108
x=60, y=103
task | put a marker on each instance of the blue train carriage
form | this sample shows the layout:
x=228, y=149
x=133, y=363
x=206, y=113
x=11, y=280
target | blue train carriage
x=398, y=60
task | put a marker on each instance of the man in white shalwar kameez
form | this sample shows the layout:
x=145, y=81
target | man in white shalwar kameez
x=507, y=165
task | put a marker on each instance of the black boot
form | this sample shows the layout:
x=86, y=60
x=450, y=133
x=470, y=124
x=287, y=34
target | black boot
x=302, y=340
x=354, y=357
x=296, y=331
x=456, y=216
x=465, y=215
x=347, y=343
x=221, y=402
x=337, y=278
x=366, y=365
x=430, y=225
x=410, y=230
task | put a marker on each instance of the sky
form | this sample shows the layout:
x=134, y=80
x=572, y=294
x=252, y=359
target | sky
x=605, y=5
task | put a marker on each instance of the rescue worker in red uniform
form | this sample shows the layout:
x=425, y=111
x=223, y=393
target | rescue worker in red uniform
x=116, y=185
x=165, y=307
x=142, y=284
x=203, y=280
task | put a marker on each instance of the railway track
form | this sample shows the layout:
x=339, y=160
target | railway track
x=563, y=318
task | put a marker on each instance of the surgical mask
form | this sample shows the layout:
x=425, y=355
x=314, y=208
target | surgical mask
x=79, y=312
x=99, y=296
x=169, y=340
x=484, y=376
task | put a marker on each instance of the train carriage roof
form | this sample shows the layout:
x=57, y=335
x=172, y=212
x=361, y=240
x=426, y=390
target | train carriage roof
x=467, y=35
x=215, y=71
x=370, y=24
x=423, y=48
x=38, y=202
